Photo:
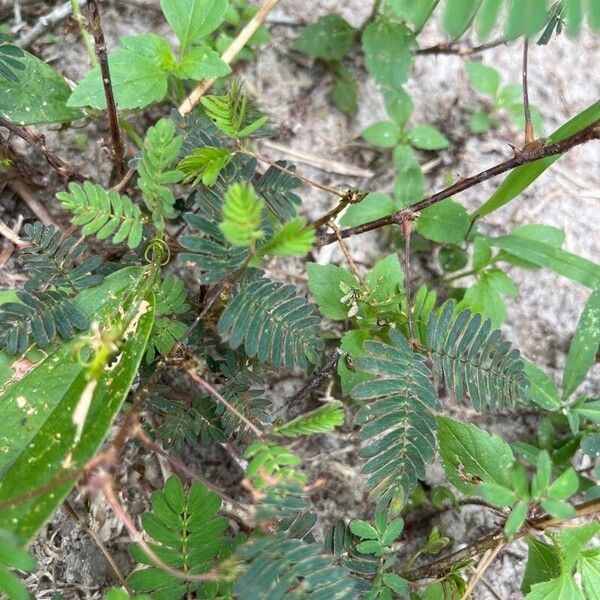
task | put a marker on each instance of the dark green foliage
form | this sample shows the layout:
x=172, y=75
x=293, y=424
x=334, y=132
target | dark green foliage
x=341, y=542
x=9, y=59
x=276, y=186
x=104, y=213
x=474, y=359
x=12, y=556
x=280, y=567
x=197, y=131
x=397, y=421
x=50, y=260
x=189, y=536
x=272, y=321
x=39, y=315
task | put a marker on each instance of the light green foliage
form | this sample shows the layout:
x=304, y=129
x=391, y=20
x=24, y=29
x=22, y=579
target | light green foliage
x=323, y=419
x=446, y=222
x=161, y=149
x=295, y=569
x=473, y=358
x=104, y=213
x=37, y=94
x=189, y=536
x=426, y=137
x=374, y=206
x=65, y=426
x=273, y=322
x=269, y=461
x=241, y=215
x=231, y=114
x=397, y=421
x=583, y=348
x=329, y=38
x=542, y=388
x=143, y=64
x=11, y=59
x=13, y=557
x=415, y=13
x=120, y=594
x=294, y=238
x=204, y=165
x=325, y=284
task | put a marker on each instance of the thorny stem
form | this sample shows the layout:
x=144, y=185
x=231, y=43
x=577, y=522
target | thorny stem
x=591, y=132
x=65, y=170
x=528, y=125
x=443, y=565
x=350, y=197
x=452, y=48
x=113, y=117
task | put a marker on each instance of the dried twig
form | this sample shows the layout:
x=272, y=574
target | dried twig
x=18, y=185
x=235, y=47
x=346, y=253
x=111, y=108
x=453, y=48
x=10, y=235
x=319, y=374
x=483, y=566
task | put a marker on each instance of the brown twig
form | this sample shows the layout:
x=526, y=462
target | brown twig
x=346, y=252
x=350, y=197
x=526, y=109
x=486, y=561
x=406, y=220
x=113, y=116
x=452, y=48
x=319, y=374
x=65, y=170
x=443, y=565
x=591, y=132
x=18, y=185
x=234, y=48
x=124, y=183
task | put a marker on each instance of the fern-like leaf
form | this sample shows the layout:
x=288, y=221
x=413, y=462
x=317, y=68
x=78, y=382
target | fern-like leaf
x=104, y=213
x=270, y=462
x=474, y=358
x=197, y=132
x=293, y=239
x=323, y=419
x=50, y=260
x=273, y=322
x=241, y=215
x=276, y=186
x=189, y=536
x=161, y=149
x=279, y=567
x=204, y=165
x=39, y=315
x=231, y=113
x=9, y=59
x=341, y=542
x=397, y=421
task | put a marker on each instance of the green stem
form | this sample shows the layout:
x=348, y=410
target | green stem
x=85, y=34
x=134, y=136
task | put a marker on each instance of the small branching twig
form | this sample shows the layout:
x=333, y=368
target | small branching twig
x=111, y=108
x=346, y=252
x=349, y=197
x=453, y=48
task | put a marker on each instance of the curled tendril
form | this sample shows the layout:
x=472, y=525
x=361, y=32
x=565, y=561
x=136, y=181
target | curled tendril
x=157, y=252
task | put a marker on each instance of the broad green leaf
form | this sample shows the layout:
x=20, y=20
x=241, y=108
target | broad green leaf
x=39, y=96
x=543, y=563
x=446, y=222
x=497, y=494
x=363, y=530
x=583, y=348
x=482, y=253
x=458, y=15
x=480, y=122
x=329, y=38
x=522, y=177
x=452, y=258
x=471, y=455
x=563, y=487
x=383, y=134
x=589, y=567
x=590, y=410
x=201, y=63
x=139, y=70
x=409, y=185
x=482, y=298
x=398, y=105
x=572, y=540
x=487, y=17
x=324, y=284
x=396, y=583
x=193, y=19
x=542, y=389
x=415, y=12
x=517, y=517
x=525, y=18
x=12, y=556
x=374, y=206
x=50, y=432
x=558, y=509
x=484, y=79
x=345, y=92
x=388, y=49
x=386, y=279
x=426, y=137
x=561, y=588
x=564, y=263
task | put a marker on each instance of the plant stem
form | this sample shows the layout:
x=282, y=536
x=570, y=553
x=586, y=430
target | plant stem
x=113, y=116
x=85, y=35
x=528, y=126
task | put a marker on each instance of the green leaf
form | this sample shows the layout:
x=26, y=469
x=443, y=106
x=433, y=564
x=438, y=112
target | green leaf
x=373, y=206
x=486, y=80
x=564, y=263
x=416, y=13
x=426, y=137
x=525, y=18
x=39, y=96
x=352, y=343
x=388, y=48
x=589, y=567
x=458, y=15
x=204, y=165
x=321, y=420
x=241, y=215
x=138, y=70
x=565, y=486
x=201, y=63
x=471, y=455
x=392, y=531
x=561, y=588
x=13, y=557
x=584, y=346
x=398, y=106
x=452, y=258
x=522, y=177
x=329, y=38
x=542, y=389
x=52, y=432
x=543, y=563
x=324, y=285
x=556, y=508
x=345, y=92
x=517, y=517
x=386, y=279
x=363, y=530
x=497, y=494
x=293, y=239
x=193, y=19
x=480, y=122
x=383, y=134
x=409, y=185
x=446, y=222
x=396, y=583
x=590, y=410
